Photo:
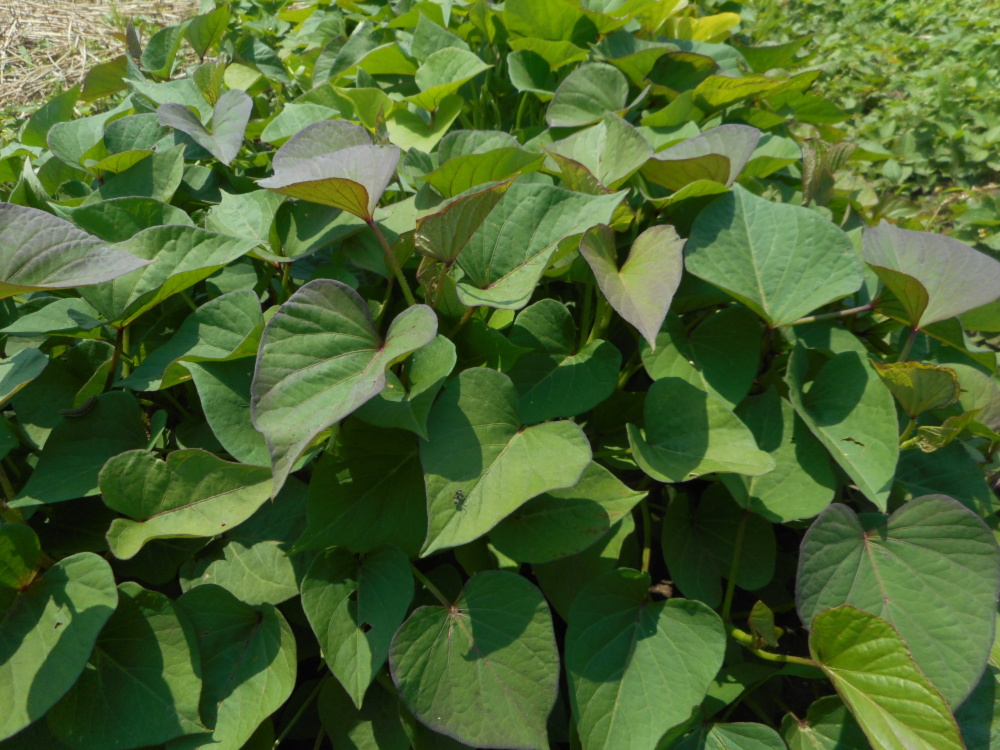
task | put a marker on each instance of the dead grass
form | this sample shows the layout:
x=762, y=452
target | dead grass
x=50, y=44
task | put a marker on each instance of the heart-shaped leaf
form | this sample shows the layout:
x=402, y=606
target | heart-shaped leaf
x=180, y=256
x=852, y=413
x=636, y=668
x=561, y=523
x=642, y=289
x=689, y=433
x=465, y=171
x=897, y=707
x=224, y=391
x=745, y=736
x=779, y=260
x=920, y=387
x=556, y=377
x=334, y=163
x=443, y=234
x=47, y=628
x=933, y=276
x=19, y=370
x=586, y=95
x=226, y=327
x=930, y=550
x=612, y=150
x=354, y=607
x=497, y=636
x=247, y=665
x=443, y=73
x=368, y=492
x=828, y=725
x=321, y=357
x=191, y=494
x=145, y=663
x=39, y=251
x=229, y=123
x=507, y=255
x=481, y=463
x=717, y=155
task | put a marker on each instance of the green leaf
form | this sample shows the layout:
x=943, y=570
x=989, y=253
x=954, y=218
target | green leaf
x=948, y=471
x=143, y=683
x=717, y=155
x=19, y=370
x=828, y=725
x=376, y=726
x=368, y=492
x=896, y=706
x=507, y=255
x=779, y=260
x=407, y=406
x=408, y=131
x=547, y=19
x=443, y=73
x=744, y=736
x=458, y=174
x=481, y=463
x=191, y=494
x=931, y=550
x=334, y=163
x=850, y=411
x=529, y=72
x=586, y=95
x=637, y=667
x=561, y=523
x=497, y=637
x=156, y=177
x=205, y=31
x=247, y=215
x=558, y=378
x=689, y=433
x=227, y=327
x=698, y=544
x=643, y=288
x=224, y=391
x=321, y=357
x=247, y=665
x=161, y=50
x=180, y=257
x=355, y=607
x=935, y=277
x=39, y=252
x=79, y=446
x=229, y=122
x=443, y=234
x=920, y=387
x=612, y=150
x=803, y=482
x=47, y=631
x=977, y=717
x=118, y=219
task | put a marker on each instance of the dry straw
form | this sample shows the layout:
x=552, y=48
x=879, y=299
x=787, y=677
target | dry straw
x=49, y=44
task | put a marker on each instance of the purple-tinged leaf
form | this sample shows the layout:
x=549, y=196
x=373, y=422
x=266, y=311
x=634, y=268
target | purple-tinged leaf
x=717, y=155
x=229, y=123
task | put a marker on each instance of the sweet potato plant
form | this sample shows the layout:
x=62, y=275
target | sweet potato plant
x=450, y=374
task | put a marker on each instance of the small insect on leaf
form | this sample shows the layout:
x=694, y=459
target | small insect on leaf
x=459, y=499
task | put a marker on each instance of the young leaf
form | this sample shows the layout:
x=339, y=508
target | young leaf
x=828, y=725
x=586, y=95
x=717, y=155
x=354, y=607
x=930, y=550
x=443, y=234
x=143, y=684
x=642, y=289
x=779, y=260
x=852, y=413
x=47, y=631
x=612, y=150
x=745, y=736
x=247, y=665
x=933, y=276
x=480, y=462
x=334, y=163
x=919, y=387
x=320, y=358
x=191, y=494
x=636, y=667
x=897, y=707
x=39, y=252
x=443, y=73
x=498, y=637
x=689, y=433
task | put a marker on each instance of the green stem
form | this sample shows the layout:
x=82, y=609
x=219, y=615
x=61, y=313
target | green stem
x=126, y=348
x=393, y=264
x=115, y=356
x=631, y=367
x=11, y=515
x=429, y=586
x=320, y=735
x=647, y=536
x=747, y=641
x=462, y=321
x=831, y=315
x=521, y=110
x=908, y=431
x=908, y=346
x=585, y=313
x=298, y=714
x=727, y=603
x=603, y=318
